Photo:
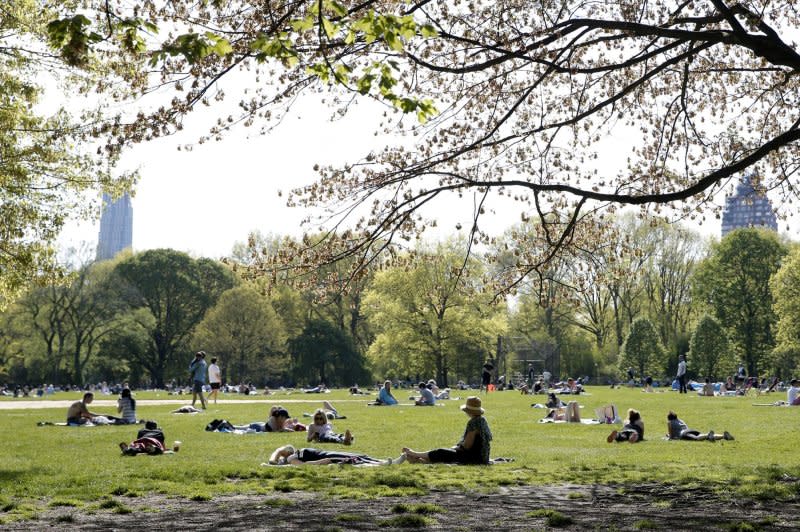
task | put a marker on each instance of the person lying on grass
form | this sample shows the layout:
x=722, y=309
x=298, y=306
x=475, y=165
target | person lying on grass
x=632, y=431
x=149, y=440
x=473, y=448
x=280, y=421
x=678, y=430
x=288, y=455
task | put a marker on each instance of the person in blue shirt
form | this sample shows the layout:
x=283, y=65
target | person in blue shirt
x=385, y=396
x=426, y=396
x=197, y=370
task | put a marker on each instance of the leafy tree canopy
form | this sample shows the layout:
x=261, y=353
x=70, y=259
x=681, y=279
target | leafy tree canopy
x=44, y=173
x=642, y=348
x=710, y=352
x=177, y=291
x=734, y=283
x=568, y=108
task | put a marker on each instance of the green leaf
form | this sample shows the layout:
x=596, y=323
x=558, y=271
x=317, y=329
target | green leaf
x=301, y=25
x=393, y=42
x=329, y=27
x=364, y=83
x=428, y=31
x=338, y=9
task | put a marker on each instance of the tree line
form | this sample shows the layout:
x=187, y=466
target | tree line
x=654, y=291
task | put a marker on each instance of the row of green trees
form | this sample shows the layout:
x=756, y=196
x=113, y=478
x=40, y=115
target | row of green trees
x=654, y=293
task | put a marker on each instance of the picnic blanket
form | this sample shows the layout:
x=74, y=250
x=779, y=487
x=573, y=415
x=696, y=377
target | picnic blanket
x=582, y=421
x=97, y=421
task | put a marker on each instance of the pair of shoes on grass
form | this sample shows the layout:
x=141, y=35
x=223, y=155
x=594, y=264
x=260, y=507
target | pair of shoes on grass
x=633, y=438
x=725, y=436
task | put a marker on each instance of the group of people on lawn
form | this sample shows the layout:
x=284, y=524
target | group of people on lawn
x=473, y=447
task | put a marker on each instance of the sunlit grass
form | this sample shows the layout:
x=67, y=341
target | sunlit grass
x=62, y=466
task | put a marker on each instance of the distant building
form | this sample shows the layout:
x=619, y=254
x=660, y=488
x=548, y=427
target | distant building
x=747, y=208
x=116, y=227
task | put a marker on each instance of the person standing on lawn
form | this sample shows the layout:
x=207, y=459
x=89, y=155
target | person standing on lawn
x=214, y=379
x=681, y=375
x=197, y=370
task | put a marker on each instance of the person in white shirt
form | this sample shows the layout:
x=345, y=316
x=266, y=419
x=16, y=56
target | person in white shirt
x=681, y=376
x=214, y=379
x=793, y=394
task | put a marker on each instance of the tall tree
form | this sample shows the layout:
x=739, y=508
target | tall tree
x=642, y=348
x=423, y=312
x=41, y=313
x=667, y=280
x=177, y=290
x=734, y=283
x=785, y=286
x=323, y=353
x=246, y=332
x=531, y=98
x=91, y=305
x=709, y=349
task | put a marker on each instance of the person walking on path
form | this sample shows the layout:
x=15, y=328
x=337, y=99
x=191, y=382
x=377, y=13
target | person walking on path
x=214, y=379
x=197, y=370
x=681, y=374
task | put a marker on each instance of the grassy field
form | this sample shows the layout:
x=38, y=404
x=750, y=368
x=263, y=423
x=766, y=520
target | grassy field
x=44, y=466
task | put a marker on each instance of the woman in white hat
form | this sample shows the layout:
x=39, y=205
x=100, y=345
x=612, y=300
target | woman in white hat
x=473, y=448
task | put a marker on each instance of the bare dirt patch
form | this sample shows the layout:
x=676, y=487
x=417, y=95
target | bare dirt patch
x=586, y=507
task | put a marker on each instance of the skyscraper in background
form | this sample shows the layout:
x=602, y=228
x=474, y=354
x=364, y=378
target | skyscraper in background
x=116, y=227
x=747, y=208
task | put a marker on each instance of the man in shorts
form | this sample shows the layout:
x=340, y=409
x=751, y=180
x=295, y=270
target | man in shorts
x=197, y=370
x=214, y=379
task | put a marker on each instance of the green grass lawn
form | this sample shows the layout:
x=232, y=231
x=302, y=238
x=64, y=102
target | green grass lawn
x=82, y=467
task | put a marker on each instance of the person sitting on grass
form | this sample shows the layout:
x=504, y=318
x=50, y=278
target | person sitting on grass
x=708, y=389
x=288, y=455
x=553, y=401
x=632, y=431
x=126, y=404
x=678, y=430
x=426, y=397
x=729, y=385
x=78, y=412
x=793, y=393
x=385, y=396
x=473, y=448
x=322, y=431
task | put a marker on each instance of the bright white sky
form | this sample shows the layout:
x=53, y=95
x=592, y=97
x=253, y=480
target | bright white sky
x=203, y=201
